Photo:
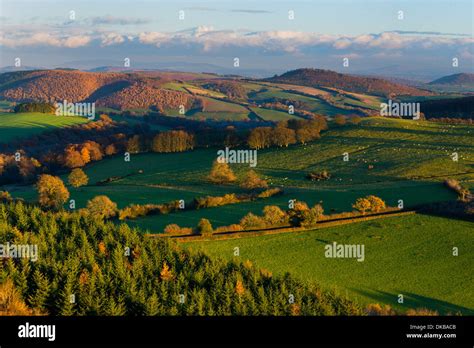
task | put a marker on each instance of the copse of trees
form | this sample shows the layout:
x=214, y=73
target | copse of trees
x=286, y=133
x=173, y=141
x=44, y=108
x=84, y=256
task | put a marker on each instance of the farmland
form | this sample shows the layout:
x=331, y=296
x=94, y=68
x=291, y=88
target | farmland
x=22, y=125
x=409, y=161
x=409, y=255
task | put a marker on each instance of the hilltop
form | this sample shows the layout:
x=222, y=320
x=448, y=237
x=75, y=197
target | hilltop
x=455, y=79
x=332, y=79
x=109, y=89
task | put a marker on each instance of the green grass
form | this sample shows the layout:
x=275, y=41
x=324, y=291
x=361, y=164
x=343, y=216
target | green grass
x=314, y=104
x=22, y=125
x=273, y=115
x=409, y=255
x=409, y=158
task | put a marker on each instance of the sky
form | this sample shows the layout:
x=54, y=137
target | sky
x=415, y=39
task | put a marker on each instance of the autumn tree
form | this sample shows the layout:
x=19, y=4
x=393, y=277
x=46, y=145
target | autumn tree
x=73, y=158
x=260, y=138
x=282, y=136
x=78, y=178
x=376, y=204
x=102, y=206
x=273, y=215
x=252, y=181
x=173, y=141
x=51, y=191
x=204, y=227
x=221, y=173
x=362, y=205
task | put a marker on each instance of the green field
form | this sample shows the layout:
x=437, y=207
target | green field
x=22, y=125
x=400, y=151
x=409, y=255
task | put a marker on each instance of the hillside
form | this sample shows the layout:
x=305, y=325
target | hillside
x=109, y=89
x=455, y=79
x=327, y=78
x=84, y=256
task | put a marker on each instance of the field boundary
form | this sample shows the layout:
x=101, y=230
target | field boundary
x=278, y=230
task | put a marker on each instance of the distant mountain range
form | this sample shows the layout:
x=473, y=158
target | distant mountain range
x=351, y=83
x=130, y=89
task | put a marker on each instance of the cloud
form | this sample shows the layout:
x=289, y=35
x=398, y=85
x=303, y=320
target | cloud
x=206, y=39
x=112, y=39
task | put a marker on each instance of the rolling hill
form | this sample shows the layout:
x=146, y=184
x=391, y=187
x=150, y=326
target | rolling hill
x=455, y=79
x=327, y=78
x=110, y=89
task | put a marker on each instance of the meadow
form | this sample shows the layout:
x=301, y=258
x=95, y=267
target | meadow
x=410, y=160
x=22, y=125
x=409, y=255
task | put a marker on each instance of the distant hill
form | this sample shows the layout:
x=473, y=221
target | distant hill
x=357, y=84
x=110, y=89
x=456, y=79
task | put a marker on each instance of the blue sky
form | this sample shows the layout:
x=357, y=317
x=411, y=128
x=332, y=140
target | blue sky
x=212, y=33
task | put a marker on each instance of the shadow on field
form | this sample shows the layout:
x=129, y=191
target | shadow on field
x=414, y=301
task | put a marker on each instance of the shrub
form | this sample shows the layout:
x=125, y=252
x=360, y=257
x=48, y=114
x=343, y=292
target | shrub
x=204, y=227
x=270, y=192
x=102, y=206
x=252, y=181
x=421, y=312
x=221, y=173
x=252, y=222
x=376, y=204
x=375, y=309
x=362, y=205
x=273, y=215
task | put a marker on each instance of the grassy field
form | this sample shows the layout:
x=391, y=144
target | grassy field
x=22, y=125
x=409, y=255
x=410, y=162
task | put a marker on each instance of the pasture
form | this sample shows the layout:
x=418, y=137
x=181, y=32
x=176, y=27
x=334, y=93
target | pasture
x=409, y=255
x=22, y=125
